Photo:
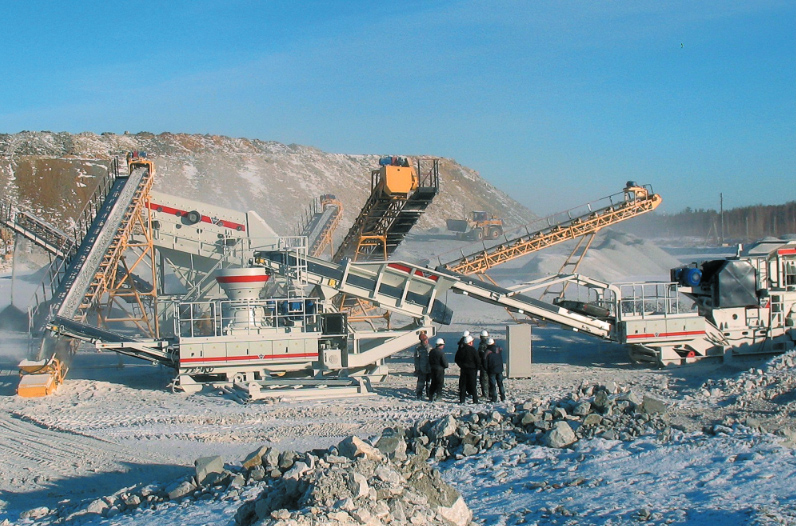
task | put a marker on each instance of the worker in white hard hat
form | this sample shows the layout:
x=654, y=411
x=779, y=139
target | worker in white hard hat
x=438, y=363
x=494, y=367
x=465, y=334
x=483, y=376
x=467, y=360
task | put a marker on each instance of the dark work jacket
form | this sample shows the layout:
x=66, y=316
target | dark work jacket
x=421, y=358
x=437, y=359
x=494, y=360
x=467, y=357
x=482, y=349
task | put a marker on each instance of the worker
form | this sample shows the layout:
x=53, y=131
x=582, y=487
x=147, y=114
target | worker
x=422, y=370
x=459, y=346
x=494, y=367
x=483, y=376
x=467, y=360
x=437, y=363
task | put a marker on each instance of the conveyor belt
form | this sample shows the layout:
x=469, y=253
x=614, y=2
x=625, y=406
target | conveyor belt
x=156, y=351
x=586, y=219
x=96, y=244
x=36, y=230
x=386, y=218
x=412, y=290
x=321, y=224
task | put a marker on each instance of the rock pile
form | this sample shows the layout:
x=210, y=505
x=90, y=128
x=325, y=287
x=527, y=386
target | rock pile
x=353, y=483
x=592, y=412
x=386, y=480
x=775, y=379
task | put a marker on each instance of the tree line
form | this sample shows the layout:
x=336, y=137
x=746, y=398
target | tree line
x=737, y=225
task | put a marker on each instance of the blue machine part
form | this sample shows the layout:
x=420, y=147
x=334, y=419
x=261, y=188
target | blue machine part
x=691, y=277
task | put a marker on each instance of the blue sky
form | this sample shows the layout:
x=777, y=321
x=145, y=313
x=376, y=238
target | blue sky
x=556, y=103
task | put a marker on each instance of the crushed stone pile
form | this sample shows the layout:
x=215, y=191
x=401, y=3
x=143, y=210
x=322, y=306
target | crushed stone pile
x=775, y=379
x=356, y=483
x=388, y=479
x=592, y=411
x=763, y=398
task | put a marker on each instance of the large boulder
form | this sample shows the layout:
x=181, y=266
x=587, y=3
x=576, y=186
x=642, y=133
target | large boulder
x=561, y=435
x=353, y=447
x=208, y=469
x=443, y=428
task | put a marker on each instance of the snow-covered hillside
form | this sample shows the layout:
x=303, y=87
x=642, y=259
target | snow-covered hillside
x=52, y=171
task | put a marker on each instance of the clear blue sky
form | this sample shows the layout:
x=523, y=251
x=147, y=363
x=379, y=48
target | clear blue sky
x=556, y=103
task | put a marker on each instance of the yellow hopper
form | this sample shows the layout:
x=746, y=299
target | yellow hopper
x=40, y=378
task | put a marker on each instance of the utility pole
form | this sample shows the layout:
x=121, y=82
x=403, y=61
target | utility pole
x=721, y=215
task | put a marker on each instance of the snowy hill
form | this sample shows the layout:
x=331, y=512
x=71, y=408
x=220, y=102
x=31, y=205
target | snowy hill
x=52, y=173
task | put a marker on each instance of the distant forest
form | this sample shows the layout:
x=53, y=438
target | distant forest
x=739, y=225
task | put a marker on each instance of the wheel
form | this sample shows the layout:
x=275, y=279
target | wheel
x=478, y=234
x=193, y=217
x=494, y=233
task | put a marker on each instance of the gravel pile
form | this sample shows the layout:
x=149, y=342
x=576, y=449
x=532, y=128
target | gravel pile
x=358, y=484
x=775, y=380
x=388, y=479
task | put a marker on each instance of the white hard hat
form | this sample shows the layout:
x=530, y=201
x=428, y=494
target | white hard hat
x=468, y=339
x=490, y=341
x=466, y=334
x=439, y=342
x=484, y=333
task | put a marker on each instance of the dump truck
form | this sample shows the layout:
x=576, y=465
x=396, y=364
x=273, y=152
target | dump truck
x=479, y=225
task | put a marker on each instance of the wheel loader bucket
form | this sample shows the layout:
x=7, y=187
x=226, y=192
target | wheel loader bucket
x=39, y=378
x=457, y=225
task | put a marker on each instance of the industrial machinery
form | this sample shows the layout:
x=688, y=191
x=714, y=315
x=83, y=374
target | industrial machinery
x=479, y=225
x=229, y=303
x=750, y=299
x=399, y=194
x=257, y=330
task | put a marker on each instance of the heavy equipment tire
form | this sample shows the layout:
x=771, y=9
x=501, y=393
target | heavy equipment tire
x=478, y=234
x=494, y=233
x=193, y=217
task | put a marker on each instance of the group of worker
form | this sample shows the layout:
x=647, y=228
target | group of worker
x=484, y=363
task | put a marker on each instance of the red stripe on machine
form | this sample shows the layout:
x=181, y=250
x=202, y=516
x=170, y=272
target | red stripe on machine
x=402, y=268
x=205, y=219
x=786, y=251
x=249, y=358
x=665, y=334
x=418, y=272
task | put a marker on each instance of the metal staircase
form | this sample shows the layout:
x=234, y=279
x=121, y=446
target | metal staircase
x=37, y=230
x=584, y=220
x=386, y=217
x=320, y=222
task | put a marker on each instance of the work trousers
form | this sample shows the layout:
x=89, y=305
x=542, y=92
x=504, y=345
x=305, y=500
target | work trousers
x=423, y=380
x=468, y=385
x=495, y=385
x=437, y=383
x=484, y=377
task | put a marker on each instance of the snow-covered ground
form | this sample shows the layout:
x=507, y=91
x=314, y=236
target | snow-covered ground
x=114, y=424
